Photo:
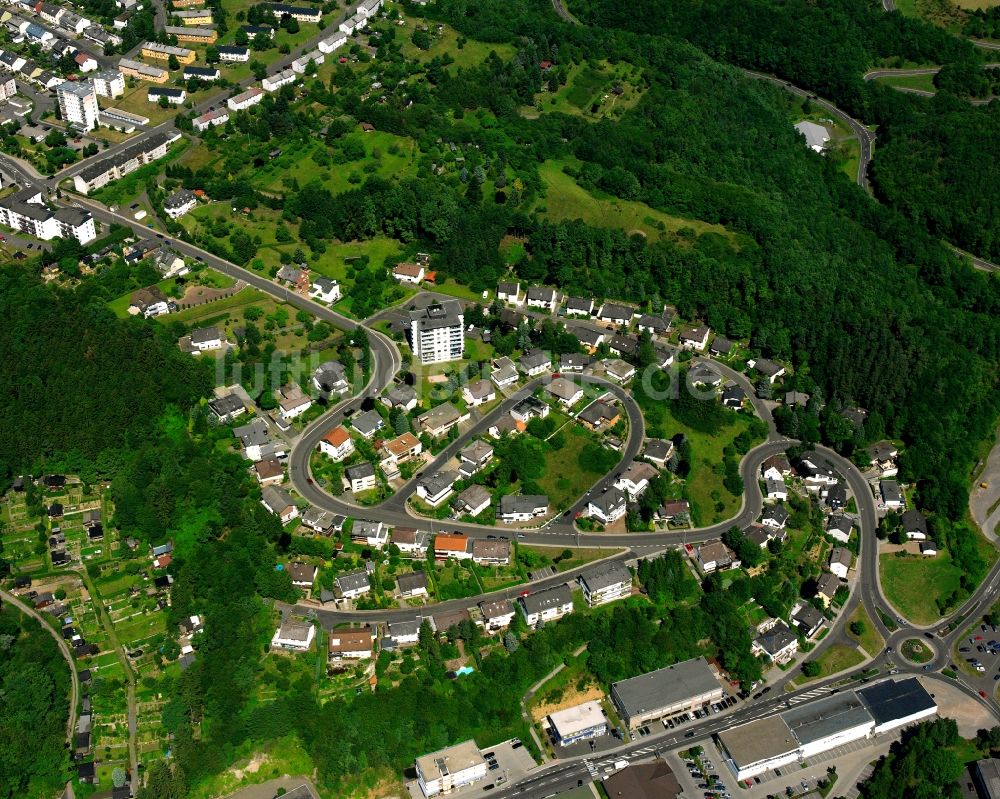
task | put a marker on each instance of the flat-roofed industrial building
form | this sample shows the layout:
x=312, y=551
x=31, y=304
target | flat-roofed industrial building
x=665, y=692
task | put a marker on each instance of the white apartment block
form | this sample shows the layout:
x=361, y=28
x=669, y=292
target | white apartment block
x=78, y=104
x=437, y=333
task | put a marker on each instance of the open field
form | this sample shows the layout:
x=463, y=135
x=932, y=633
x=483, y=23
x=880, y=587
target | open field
x=869, y=640
x=566, y=199
x=833, y=660
x=589, y=92
x=565, y=480
x=914, y=584
x=922, y=82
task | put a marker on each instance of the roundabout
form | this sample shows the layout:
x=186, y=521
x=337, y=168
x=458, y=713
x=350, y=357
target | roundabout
x=916, y=651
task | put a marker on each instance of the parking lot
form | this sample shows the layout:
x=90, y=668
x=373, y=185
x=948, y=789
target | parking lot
x=508, y=763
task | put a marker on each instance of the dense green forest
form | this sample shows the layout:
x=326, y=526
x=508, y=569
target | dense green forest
x=922, y=765
x=34, y=706
x=81, y=385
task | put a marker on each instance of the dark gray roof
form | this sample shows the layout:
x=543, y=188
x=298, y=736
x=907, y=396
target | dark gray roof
x=367, y=423
x=438, y=482
x=597, y=412
x=814, y=721
x=914, y=522
x=437, y=315
x=665, y=687
x=582, y=304
x=411, y=581
x=204, y=334
x=522, y=503
x=352, y=581
x=223, y=406
x=608, y=501
x=541, y=294
x=776, y=639
x=360, y=471
x=548, y=598
x=893, y=700
x=605, y=576
x=840, y=522
x=617, y=311
x=124, y=156
x=775, y=513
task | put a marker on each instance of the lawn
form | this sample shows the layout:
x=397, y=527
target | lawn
x=921, y=82
x=577, y=557
x=394, y=156
x=231, y=306
x=916, y=651
x=914, y=584
x=588, y=87
x=565, y=480
x=869, y=640
x=469, y=53
x=833, y=660
x=566, y=199
x=710, y=500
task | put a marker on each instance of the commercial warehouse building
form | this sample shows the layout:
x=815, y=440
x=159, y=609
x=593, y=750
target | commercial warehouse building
x=665, y=692
x=814, y=727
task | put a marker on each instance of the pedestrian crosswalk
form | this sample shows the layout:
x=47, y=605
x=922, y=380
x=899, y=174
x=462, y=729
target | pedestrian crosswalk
x=813, y=694
x=591, y=767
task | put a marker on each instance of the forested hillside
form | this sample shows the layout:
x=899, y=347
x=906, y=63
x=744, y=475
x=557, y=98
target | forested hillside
x=34, y=705
x=80, y=385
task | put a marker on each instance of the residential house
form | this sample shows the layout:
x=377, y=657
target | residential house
x=599, y=415
x=504, y=372
x=655, y=324
x=239, y=54
x=826, y=588
x=293, y=635
x=543, y=297
x=536, y=362
x=451, y=545
x=606, y=583
x=579, y=306
x=716, y=556
x=522, y=507
x=573, y=362
x=253, y=436
x=155, y=94
x=474, y=457
x=529, y=408
x=204, y=339
x=202, y=73
x=915, y=525
x=496, y=614
x=733, y=397
x=322, y=521
x=473, y=500
x=779, y=643
x=892, y=496
x=303, y=574
x=370, y=533
x=278, y=502
x=325, y=289
x=350, y=645
x=836, y=497
x=404, y=633
x=840, y=563
x=353, y=584
x=768, y=369
x=624, y=346
x=402, y=397
x=510, y=292
x=491, y=551
x=775, y=489
x=808, y=621
x=775, y=516
x=368, y=423
x=436, y=488
x=634, y=480
x=398, y=450
x=169, y=264
x=546, y=605
x=928, y=549
x=410, y=541
x=613, y=313
x=796, y=399
x=293, y=402
x=269, y=472
x=695, y=338
x=412, y=584
x=762, y=535
x=883, y=457
x=179, y=203
x=360, y=477
x=618, y=370
x=409, y=273
x=243, y=100
x=590, y=339
x=330, y=377
x=336, y=443
x=720, y=346
x=479, y=392
x=839, y=527
x=776, y=467
x=211, y=119
x=677, y=511
x=148, y=302
x=703, y=374
x=439, y=420
x=566, y=391
x=816, y=473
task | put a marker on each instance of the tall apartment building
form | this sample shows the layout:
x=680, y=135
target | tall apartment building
x=437, y=332
x=109, y=83
x=78, y=104
x=27, y=212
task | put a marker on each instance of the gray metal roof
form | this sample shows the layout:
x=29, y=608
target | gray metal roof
x=606, y=575
x=665, y=687
x=814, y=721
